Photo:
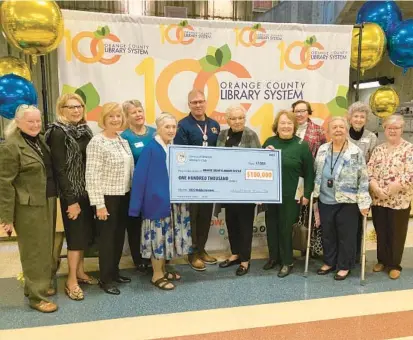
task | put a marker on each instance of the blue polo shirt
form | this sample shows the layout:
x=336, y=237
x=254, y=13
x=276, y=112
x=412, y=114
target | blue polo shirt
x=190, y=134
x=138, y=142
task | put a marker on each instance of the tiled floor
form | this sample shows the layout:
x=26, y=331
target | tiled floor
x=219, y=305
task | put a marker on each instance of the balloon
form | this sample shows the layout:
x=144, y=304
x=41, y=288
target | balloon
x=373, y=46
x=14, y=91
x=384, y=102
x=34, y=27
x=401, y=45
x=14, y=65
x=384, y=13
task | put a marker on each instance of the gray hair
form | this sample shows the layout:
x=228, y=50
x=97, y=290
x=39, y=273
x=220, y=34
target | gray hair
x=234, y=108
x=127, y=104
x=160, y=119
x=341, y=118
x=20, y=112
x=393, y=119
x=359, y=107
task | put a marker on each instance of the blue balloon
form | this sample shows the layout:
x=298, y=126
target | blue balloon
x=401, y=45
x=384, y=13
x=14, y=91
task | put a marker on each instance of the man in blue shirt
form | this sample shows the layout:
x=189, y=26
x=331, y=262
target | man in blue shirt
x=198, y=129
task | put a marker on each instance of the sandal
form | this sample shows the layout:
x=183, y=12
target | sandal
x=90, y=281
x=161, y=283
x=172, y=276
x=76, y=293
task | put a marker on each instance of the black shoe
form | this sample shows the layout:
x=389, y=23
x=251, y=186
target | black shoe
x=143, y=268
x=269, y=265
x=341, y=278
x=325, y=271
x=110, y=289
x=285, y=271
x=241, y=270
x=228, y=263
x=122, y=279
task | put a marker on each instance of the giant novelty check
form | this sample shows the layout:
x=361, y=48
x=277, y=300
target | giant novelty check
x=223, y=175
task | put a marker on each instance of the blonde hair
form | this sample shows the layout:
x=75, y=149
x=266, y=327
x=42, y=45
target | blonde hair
x=394, y=119
x=62, y=100
x=107, y=109
x=194, y=92
x=163, y=116
x=234, y=108
x=127, y=104
x=20, y=112
x=290, y=115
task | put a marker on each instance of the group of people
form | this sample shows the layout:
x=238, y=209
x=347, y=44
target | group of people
x=116, y=181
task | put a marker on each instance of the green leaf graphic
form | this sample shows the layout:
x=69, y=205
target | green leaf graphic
x=256, y=27
x=211, y=60
x=211, y=50
x=68, y=89
x=105, y=31
x=98, y=35
x=341, y=102
x=206, y=66
x=226, y=54
x=89, y=95
x=219, y=56
x=314, y=39
x=183, y=23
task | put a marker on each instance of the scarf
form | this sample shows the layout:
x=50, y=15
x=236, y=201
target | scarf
x=356, y=135
x=76, y=167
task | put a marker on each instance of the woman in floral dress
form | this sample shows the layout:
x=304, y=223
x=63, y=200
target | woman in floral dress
x=166, y=229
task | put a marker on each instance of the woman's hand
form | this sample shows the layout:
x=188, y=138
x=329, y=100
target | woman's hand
x=364, y=212
x=73, y=211
x=102, y=214
x=380, y=193
x=270, y=147
x=304, y=201
x=8, y=228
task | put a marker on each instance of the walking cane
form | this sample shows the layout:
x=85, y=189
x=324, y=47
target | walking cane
x=363, y=252
x=310, y=218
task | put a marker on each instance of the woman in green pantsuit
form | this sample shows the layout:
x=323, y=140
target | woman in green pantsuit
x=296, y=162
x=28, y=202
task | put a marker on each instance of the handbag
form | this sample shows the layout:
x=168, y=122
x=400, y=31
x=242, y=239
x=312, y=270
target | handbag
x=300, y=230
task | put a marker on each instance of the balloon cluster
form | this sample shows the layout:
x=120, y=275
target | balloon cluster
x=35, y=28
x=383, y=28
x=399, y=33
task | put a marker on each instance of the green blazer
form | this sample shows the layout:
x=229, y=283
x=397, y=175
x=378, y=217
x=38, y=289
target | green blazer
x=22, y=177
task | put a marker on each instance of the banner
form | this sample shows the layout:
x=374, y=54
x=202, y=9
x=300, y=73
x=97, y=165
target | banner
x=264, y=67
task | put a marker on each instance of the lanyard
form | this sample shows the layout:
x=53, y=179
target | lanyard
x=204, y=132
x=331, y=163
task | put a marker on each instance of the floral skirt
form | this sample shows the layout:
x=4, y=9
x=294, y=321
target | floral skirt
x=167, y=237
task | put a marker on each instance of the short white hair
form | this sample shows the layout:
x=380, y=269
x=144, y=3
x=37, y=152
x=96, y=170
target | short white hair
x=341, y=118
x=20, y=112
x=393, y=119
x=359, y=107
x=234, y=108
x=162, y=117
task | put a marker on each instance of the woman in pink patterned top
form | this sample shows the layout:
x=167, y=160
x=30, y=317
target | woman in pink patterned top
x=391, y=186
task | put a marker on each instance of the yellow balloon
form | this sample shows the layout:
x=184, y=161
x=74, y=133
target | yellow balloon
x=373, y=46
x=16, y=66
x=384, y=102
x=34, y=27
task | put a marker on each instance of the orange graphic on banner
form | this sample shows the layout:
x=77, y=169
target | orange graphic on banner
x=178, y=33
x=251, y=38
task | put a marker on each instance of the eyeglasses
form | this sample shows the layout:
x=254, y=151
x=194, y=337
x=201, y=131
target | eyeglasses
x=197, y=102
x=393, y=128
x=233, y=119
x=73, y=107
x=300, y=111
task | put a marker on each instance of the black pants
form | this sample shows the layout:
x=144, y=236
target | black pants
x=340, y=224
x=112, y=236
x=134, y=228
x=200, y=215
x=359, y=237
x=391, y=229
x=239, y=219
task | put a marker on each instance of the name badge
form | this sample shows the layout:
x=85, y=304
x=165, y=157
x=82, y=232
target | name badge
x=139, y=145
x=365, y=140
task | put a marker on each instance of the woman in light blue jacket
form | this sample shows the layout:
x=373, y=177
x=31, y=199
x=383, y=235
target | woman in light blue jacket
x=342, y=187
